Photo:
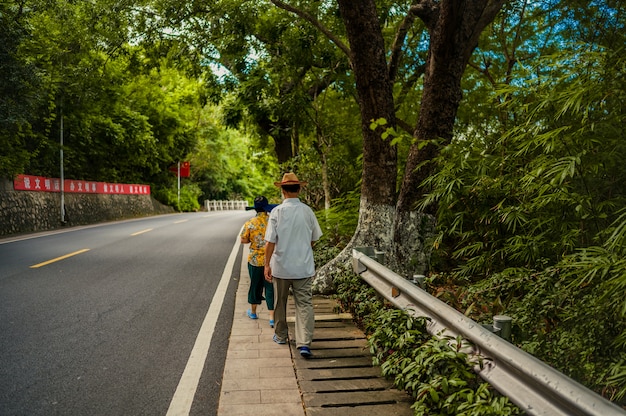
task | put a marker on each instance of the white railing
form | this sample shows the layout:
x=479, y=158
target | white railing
x=225, y=205
x=532, y=385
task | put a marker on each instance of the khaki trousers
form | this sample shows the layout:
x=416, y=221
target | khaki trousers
x=305, y=316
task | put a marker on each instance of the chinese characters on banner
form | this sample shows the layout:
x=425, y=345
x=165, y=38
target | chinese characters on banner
x=43, y=184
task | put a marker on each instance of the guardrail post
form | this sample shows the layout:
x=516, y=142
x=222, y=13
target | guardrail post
x=356, y=264
x=367, y=250
x=379, y=256
x=502, y=325
x=419, y=280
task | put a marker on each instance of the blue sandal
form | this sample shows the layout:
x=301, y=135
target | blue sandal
x=252, y=315
x=278, y=340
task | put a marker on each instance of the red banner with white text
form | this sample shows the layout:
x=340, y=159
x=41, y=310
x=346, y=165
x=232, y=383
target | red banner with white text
x=43, y=184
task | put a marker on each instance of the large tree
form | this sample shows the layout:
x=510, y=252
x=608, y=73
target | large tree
x=388, y=219
x=126, y=112
x=22, y=94
x=454, y=28
x=278, y=66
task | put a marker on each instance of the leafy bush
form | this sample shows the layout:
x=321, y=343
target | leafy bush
x=340, y=220
x=532, y=222
x=434, y=371
x=357, y=298
x=189, y=195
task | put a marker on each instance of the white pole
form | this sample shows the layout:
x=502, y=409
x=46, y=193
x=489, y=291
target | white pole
x=178, y=185
x=62, y=173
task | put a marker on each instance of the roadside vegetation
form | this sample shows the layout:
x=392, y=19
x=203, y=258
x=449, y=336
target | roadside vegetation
x=435, y=372
x=510, y=197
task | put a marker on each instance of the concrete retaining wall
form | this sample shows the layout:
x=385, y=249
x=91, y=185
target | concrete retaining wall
x=23, y=211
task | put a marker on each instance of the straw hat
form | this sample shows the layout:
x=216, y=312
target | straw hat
x=290, y=178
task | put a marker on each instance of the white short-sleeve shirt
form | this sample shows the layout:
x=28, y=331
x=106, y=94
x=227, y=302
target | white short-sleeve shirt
x=292, y=227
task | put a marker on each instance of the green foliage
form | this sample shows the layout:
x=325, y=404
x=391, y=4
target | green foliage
x=125, y=118
x=331, y=158
x=356, y=297
x=339, y=222
x=434, y=371
x=391, y=332
x=276, y=66
x=21, y=93
x=574, y=326
x=542, y=189
x=227, y=166
x=324, y=253
x=189, y=197
x=531, y=214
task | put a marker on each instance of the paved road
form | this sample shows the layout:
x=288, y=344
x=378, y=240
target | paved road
x=102, y=320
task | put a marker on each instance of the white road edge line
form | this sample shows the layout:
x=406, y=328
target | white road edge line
x=186, y=390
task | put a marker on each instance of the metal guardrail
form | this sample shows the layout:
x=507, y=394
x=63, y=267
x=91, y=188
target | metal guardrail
x=532, y=385
x=225, y=205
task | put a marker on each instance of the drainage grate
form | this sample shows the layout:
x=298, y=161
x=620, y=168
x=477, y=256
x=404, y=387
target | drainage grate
x=340, y=379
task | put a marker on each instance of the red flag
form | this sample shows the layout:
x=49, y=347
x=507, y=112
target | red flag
x=184, y=169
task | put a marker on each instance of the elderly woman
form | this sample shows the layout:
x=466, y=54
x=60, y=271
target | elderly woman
x=254, y=233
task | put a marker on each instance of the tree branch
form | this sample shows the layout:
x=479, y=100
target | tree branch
x=306, y=16
x=484, y=70
x=427, y=11
x=492, y=8
x=398, y=42
x=288, y=87
x=516, y=42
x=405, y=126
x=409, y=84
x=317, y=88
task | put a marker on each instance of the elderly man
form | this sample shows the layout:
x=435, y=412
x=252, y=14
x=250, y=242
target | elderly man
x=291, y=231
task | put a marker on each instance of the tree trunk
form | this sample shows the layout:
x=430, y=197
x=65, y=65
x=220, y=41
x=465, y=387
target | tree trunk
x=325, y=182
x=372, y=230
x=374, y=90
x=322, y=147
x=375, y=99
x=454, y=27
x=454, y=33
x=282, y=146
x=281, y=134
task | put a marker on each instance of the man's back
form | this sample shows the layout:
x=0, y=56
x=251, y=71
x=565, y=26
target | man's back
x=293, y=227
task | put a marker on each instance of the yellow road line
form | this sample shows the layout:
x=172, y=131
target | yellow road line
x=59, y=258
x=178, y=222
x=141, y=232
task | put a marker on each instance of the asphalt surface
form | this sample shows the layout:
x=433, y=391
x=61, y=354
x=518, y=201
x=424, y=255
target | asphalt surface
x=102, y=320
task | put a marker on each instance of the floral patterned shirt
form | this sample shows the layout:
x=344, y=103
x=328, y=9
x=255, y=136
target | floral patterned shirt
x=254, y=231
